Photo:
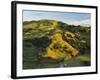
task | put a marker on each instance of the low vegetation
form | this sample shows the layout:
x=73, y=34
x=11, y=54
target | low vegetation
x=51, y=43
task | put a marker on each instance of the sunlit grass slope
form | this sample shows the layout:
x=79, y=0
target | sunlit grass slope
x=47, y=43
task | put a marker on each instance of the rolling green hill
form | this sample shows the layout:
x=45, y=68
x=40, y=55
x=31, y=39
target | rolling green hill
x=51, y=43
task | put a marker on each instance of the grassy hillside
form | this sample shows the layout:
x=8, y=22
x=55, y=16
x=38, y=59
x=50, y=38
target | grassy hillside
x=51, y=43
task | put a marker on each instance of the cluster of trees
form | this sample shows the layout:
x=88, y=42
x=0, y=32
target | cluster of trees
x=80, y=41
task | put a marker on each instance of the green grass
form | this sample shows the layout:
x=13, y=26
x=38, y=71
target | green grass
x=83, y=58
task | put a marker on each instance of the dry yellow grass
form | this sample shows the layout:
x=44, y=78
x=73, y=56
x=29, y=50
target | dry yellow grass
x=57, y=53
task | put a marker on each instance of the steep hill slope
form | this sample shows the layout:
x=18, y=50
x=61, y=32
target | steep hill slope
x=45, y=40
